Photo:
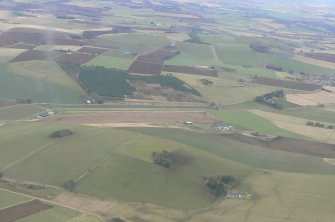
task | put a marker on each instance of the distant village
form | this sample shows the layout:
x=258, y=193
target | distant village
x=321, y=80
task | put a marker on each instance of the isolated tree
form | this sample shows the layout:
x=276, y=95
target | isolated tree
x=70, y=185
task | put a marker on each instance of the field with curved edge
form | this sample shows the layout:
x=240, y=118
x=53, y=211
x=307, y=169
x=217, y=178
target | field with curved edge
x=115, y=164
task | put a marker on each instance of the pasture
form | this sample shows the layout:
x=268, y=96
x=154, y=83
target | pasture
x=122, y=161
x=134, y=42
x=8, y=199
x=249, y=121
x=19, y=112
x=110, y=62
x=14, y=86
x=46, y=71
x=242, y=54
x=192, y=54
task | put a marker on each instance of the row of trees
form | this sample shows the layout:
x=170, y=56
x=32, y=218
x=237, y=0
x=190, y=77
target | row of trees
x=318, y=124
x=61, y=133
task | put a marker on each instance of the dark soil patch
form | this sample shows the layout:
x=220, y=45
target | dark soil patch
x=151, y=62
x=285, y=84
x=35, y=37
x=19, y=211
x=306, y=147
x=157, y=56
x=191, y=70
x=145, y=68
x=321, y=56
x=77, y=58
x=36, y=55
x=180, y=159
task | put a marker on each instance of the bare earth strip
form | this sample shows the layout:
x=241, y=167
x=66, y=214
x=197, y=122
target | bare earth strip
x=329, y=160
x=134, y=117
x=87, y=204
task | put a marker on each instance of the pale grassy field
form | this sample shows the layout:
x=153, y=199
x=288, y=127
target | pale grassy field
x=18, y=112
x=316, y=62
x=312, y=99
x=8, y=199
x=45, y=70
x=58, y=47
x=298, y=125
x=6, y=54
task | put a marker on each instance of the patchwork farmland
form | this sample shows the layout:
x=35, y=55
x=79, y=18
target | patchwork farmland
x=143, y=111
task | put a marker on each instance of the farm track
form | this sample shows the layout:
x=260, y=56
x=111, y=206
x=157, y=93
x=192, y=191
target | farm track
x=28, y=155
x=44, y=200
x=39, y=149
x=94, y=167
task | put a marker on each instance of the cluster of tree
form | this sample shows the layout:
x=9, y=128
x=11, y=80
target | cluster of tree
x=318, y=124
x=271, y=99
x=116, y=219
x=162, y=158
x=194, y=38
x=273, y=67
x=219, y=185
x=1, y=175
x=24, y=101
x=116, y=83
x=61, y=133
x=70, y=186
x=206, y=82
x=106, y=82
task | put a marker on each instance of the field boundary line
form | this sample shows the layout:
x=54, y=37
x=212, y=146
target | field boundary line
x=41, y=148
x=94, y=167
x=13, y=205
x=28, y=155
x=7, y=107
x=42, y=199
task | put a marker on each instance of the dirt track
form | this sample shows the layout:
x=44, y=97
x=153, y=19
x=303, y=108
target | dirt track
x=134, y=117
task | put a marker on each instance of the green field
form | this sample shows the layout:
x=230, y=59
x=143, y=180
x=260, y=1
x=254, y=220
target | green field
x=7, y=199
x=134, y=42
x=19, y=112
x=192, y=54
x=47, y=71
x=118, y=166
x=226, y=89
x=14, y=86
x=243, y=55
x=110, y=62
x=246, y=120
